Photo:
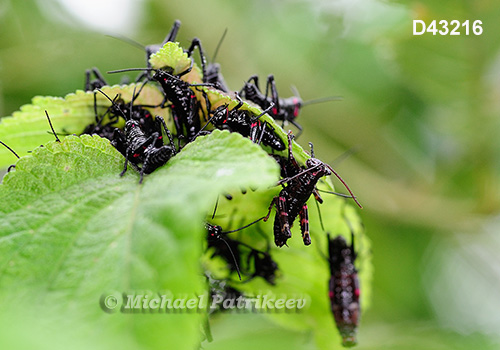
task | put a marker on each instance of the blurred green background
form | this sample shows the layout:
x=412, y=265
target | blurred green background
x=420, y=112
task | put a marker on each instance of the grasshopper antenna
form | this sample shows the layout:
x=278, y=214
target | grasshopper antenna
x=127, y=40
x=215, y=208
x=219, y=45
x=234, y=258
x=323, y=99
x=10, y=149
x=51, y=127
x=244, y=227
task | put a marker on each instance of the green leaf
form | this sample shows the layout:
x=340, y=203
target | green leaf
x=172, y=56
x=28, y=128
x=303, y=270
x=66, y=334
x=72, y=229
x=149, y=236
x=234, y=332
